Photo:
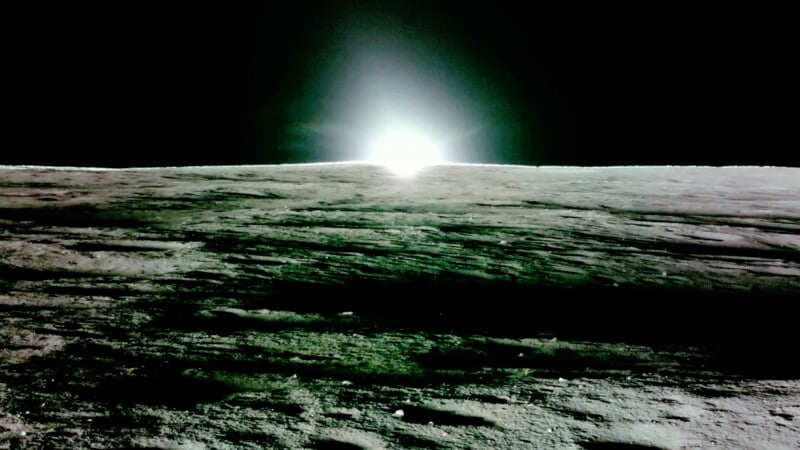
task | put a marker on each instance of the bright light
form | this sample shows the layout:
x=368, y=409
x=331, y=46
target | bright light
x=397, y=98
x=404, y=151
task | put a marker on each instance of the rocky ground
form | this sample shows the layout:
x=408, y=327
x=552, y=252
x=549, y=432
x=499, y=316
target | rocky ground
x=338, y=307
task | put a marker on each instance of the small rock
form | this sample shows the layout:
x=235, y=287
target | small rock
x=521, y=354
x=343, y=413
x=346, y=313
x=562, y=380
x=346, y=383
x=399, y=413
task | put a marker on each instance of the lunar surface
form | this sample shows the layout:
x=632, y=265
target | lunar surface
x=339, y=306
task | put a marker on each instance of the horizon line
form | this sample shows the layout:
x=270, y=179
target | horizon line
x=372, y=163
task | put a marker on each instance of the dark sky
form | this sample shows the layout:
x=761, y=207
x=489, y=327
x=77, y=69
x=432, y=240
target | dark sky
x=519, y=82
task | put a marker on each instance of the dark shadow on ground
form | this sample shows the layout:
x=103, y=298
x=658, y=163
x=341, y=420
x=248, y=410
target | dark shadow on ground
x=426, y=415
x=630, y=313
x=544, y=361
x=501, y=308
x=75, y=216
x=333, y=444
x=616, y=446
x=748, y=334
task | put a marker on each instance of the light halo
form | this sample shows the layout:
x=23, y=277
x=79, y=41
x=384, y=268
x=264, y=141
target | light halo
x=404, y=150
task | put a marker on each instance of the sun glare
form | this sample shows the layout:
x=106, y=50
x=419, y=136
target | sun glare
x=404, y=152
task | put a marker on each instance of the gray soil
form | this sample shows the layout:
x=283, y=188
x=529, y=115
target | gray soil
x=339, y=307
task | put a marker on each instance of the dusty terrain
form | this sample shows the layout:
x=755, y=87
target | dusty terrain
x=339, y=307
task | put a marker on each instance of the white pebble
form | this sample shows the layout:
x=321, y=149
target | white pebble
x=399, y=413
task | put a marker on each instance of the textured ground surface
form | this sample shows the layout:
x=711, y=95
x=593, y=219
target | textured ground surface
x=338, y=307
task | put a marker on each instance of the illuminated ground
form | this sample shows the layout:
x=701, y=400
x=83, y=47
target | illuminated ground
x=340, y=306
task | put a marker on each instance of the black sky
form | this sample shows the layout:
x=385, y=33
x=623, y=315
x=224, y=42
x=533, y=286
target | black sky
x=550, y=83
